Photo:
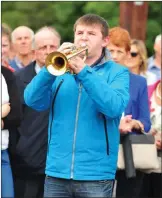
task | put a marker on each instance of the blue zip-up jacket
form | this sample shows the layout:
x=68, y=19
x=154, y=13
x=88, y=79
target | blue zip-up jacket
x=85, y=110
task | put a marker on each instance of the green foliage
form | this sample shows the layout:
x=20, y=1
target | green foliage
x=62, y=15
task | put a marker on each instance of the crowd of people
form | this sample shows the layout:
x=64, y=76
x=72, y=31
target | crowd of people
x=61, y=134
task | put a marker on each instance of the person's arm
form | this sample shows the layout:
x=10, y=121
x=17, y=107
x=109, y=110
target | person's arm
x=143, y=122
x=5, y=110
x=144, y=112
x=37, y=94
x=5, y=99
x=111, y=100
x=13, y=119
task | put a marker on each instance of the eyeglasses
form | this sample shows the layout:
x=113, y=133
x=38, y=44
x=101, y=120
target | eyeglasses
x=134, y=54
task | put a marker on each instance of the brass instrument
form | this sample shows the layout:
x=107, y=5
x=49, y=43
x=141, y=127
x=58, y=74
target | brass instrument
x=57, y=62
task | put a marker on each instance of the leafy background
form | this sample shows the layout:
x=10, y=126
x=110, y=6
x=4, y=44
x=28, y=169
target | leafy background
x=62, y=16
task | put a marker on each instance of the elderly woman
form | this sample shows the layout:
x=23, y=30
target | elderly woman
x=136, y=115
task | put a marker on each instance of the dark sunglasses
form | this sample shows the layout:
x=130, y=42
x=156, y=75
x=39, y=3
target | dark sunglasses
x=134, y=54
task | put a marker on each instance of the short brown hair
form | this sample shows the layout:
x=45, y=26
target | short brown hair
x=142, y=51
x=6, y=31
x=120, y=37
x=93, y=19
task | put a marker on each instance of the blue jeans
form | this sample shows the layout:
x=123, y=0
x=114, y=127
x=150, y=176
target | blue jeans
x=61, y=188
x=7, y=180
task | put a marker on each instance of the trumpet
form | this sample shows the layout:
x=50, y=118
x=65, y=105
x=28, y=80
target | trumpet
x=57, y=62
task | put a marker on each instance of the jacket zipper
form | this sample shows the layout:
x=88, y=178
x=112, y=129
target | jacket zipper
x=75, y=131
x=106, y=135
x=54, y=98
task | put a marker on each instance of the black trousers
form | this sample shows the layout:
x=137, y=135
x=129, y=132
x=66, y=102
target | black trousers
x=29, y=187
x=128, y=188
x=152, y=185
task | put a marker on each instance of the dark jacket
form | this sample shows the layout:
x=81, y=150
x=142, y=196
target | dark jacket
x=32, y=144
x=13, y=119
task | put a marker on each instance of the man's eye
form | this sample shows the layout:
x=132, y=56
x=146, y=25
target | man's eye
x=91, y=33
x=119, y=52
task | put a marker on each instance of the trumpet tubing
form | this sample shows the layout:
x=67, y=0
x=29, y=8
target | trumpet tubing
x=57, y=62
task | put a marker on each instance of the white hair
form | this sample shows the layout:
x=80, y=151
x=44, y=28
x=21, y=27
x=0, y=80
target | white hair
x=158, y=38
x=20, y=27
x=50, y=29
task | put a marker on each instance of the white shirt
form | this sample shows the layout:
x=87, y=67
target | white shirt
x=5, y=99
x=37, y=68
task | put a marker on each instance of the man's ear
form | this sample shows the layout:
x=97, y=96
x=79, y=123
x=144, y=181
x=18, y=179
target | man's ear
x=105, y=41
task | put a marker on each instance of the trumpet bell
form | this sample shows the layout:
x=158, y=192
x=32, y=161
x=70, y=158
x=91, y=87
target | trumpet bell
x=56, y=63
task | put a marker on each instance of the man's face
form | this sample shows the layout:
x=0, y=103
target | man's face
x=92, y=37
x=23, y=41
x=5, y=48
x=118, y=54
x=45, y=43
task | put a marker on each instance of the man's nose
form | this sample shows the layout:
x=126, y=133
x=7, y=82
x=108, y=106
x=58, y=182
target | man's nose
x=84, y=36
x=23, y=40
x=48, y=50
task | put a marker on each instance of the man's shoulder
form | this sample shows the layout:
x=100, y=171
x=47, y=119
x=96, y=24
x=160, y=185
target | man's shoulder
x=116, y=67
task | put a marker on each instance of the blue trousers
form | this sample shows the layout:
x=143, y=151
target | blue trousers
x=60, y=188
x=7, y=180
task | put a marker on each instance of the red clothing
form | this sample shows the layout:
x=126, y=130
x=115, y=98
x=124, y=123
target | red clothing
x=6, y=64
x=151, y=89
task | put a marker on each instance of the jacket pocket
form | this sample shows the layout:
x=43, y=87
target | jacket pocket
x=106, y=135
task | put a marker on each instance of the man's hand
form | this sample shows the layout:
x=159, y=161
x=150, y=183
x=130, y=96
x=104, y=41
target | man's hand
x=65, y=47
x=76, y=64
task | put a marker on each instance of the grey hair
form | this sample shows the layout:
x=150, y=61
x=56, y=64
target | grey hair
x=48, y=28
x=16, y=29
x=158, y=38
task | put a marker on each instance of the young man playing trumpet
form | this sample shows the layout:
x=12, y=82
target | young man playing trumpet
x=85, y=111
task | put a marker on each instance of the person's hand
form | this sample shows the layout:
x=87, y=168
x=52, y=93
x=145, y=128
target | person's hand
x=153, y=131
x=76, y=64
x=159, y=144
x=66, y=47
x=5, y=109
x=125, y=124
x=136, y=124
x=2, y=124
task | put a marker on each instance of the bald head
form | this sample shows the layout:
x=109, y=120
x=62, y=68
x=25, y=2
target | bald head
x=22, y=30
x=22, y=39
x=46, y=40
x=45, y=34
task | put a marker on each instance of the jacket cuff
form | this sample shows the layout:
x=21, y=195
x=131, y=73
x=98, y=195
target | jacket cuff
x=83, y=72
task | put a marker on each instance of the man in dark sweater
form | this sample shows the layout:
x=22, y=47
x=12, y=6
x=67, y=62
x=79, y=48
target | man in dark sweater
x=29, y=164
